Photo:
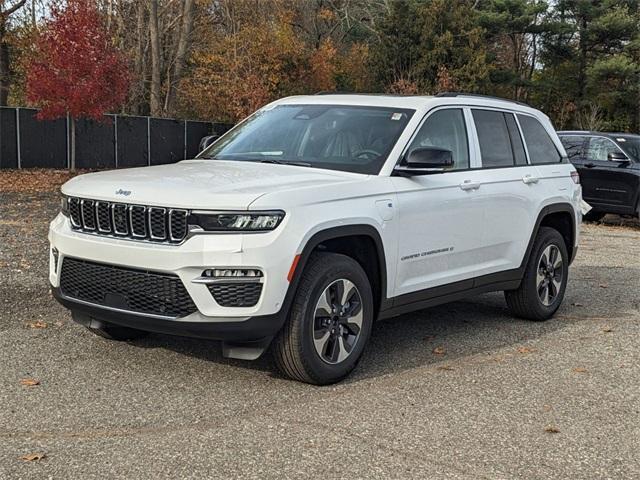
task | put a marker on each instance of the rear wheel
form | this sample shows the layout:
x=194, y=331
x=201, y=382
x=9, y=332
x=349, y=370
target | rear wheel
x=593, y=216
x=329, y=323
x=115, y=332
x=545, y=278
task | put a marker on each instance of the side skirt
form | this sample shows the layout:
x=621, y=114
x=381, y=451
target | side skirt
x=431, y=297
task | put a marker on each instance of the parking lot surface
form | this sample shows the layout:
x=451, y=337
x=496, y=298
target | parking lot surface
x=458, y=391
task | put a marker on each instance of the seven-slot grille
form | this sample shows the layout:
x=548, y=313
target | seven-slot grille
x=138, y=291
x=128, y=221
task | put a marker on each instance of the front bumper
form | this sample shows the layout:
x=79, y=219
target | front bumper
x=247, y=330
x=187, y=261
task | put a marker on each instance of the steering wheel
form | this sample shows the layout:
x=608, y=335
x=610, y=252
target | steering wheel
x=367, y=154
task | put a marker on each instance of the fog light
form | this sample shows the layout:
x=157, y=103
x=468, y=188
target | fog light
x=229, y=275
x=55, y=254
x=232, y=273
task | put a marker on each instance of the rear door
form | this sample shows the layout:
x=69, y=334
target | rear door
x=510, y=191
x=608, y=184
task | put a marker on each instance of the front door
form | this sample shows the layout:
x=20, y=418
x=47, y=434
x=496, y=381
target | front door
x=440, y=221
x=609, y=184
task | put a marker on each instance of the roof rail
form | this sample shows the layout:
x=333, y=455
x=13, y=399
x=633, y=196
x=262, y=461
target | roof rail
x=480, y=95
x=364, y=94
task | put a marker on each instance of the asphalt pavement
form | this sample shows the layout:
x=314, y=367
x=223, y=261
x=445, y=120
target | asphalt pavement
x=459, y=391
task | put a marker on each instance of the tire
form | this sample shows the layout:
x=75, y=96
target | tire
x=115, y=332
x=593, y=216
x=305, y=348
x=528, y=300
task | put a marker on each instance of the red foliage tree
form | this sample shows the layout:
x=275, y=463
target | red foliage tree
x=75, y=69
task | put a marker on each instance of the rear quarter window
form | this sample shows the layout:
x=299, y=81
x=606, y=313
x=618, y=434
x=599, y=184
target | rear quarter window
x=539, y=144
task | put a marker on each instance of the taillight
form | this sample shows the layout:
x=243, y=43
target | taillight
x=575, y=176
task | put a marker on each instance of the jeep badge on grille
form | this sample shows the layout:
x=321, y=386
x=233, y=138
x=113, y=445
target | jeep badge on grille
x=126, y=193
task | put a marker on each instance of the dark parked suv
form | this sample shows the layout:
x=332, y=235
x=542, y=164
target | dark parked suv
x=609, y=167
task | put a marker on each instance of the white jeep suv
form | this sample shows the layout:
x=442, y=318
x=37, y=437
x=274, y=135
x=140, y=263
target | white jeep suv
x=318, y=215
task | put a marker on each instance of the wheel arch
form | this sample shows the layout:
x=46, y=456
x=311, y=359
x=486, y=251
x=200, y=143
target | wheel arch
x=560, y=216
x=357, y=241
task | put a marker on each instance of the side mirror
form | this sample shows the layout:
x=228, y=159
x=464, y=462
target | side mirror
x=206, y=141
x=425, y=160
x=617, y=157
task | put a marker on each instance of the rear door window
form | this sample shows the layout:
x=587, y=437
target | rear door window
x=539, y=144
x=494, y=138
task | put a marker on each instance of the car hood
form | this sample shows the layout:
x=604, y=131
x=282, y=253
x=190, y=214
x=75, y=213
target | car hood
x=206, y=184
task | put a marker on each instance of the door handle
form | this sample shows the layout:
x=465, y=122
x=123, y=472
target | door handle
x=530, y=179
x=469, y=185
x=589, y=165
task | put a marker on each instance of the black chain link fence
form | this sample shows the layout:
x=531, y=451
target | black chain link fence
x=117, y=142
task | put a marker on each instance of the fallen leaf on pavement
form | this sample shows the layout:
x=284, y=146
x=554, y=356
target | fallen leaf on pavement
x=29, y=382
x=37, y=324
x=607, y=329
x=551, y=429
x=580, y=370
x=546, y=408
x=604, y=285
x=33, y=457
x=445, y=367
x=439, y=351
x=525, y=350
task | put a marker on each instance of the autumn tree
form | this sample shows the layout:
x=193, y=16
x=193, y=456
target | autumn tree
x=75, y=70
x=7, y=8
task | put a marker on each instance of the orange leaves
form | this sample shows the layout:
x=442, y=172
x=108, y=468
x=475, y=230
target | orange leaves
x=33, y=457
x=29, y=382
x=266, y=56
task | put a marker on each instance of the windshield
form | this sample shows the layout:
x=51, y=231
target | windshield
x=631, y=145
x=349, y=138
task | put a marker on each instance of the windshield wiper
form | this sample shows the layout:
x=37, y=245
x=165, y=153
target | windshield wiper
x=285, y=162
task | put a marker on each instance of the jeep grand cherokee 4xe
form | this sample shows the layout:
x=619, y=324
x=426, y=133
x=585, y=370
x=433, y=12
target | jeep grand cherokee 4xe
x=316, y=216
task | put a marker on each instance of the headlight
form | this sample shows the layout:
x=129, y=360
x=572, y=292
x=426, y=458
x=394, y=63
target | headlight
x=236, y=221
x=64, y=206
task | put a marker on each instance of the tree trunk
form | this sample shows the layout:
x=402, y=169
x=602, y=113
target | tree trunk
x=72, y=144
x=181, y=54
x=139, y=60
x=155, y=97
x=582, y=69
x=5, y=78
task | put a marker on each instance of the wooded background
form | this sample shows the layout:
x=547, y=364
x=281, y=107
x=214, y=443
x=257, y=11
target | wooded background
x=577, y=60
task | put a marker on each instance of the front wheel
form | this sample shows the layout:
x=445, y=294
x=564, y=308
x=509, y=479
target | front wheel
x=545, y=278
x=329, y=323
